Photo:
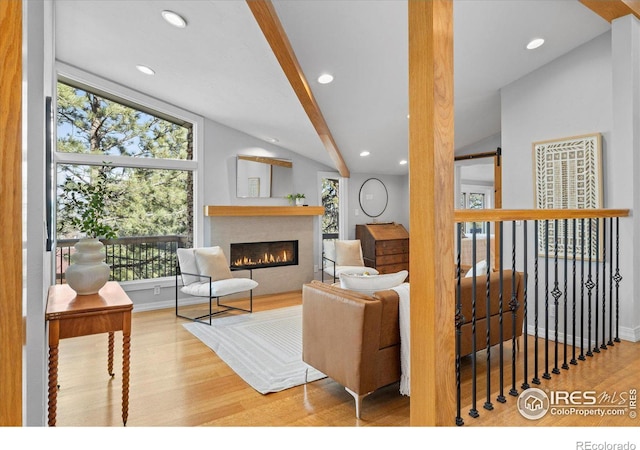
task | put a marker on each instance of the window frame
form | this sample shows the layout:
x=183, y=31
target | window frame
x=129, y=97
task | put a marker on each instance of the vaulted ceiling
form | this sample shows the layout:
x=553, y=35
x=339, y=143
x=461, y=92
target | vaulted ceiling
x=223, y=66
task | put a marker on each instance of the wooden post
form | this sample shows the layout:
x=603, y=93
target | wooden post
x=431, y=161
x=11, y=335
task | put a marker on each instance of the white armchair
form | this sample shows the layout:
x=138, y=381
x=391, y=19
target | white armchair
x=204, y=272
x=343, y=256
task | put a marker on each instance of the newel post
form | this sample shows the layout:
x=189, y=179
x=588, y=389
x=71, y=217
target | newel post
x=431, y=185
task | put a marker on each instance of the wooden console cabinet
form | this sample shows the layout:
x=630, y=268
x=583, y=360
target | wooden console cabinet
x=385, y=246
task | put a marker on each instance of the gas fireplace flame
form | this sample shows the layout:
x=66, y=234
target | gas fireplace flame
x=267, y=258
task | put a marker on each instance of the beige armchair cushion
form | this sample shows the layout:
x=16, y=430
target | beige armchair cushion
x=349, y=253
x=220, y=288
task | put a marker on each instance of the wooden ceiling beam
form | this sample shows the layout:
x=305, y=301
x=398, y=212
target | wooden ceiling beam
x=610, y=10
x=267, y=18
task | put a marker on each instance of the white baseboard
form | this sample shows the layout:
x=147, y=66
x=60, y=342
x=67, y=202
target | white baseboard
x=166, y=304
x=625, y=334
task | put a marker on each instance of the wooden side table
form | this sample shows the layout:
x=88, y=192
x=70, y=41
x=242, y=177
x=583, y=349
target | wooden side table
x=71, y=315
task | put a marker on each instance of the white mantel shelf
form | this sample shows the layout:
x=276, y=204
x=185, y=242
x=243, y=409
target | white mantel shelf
x=237, y=211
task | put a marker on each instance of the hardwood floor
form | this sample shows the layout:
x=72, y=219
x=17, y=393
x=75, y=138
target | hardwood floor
x=612, y=372
x=176, y=381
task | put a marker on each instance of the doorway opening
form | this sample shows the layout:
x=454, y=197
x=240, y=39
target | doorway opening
x=478, y=185
x=333, y=191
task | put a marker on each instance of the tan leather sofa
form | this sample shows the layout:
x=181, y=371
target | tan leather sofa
x=466, y=296
x=352, y=338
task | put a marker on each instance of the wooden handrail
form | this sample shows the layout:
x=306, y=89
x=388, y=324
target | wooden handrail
x=501, y=215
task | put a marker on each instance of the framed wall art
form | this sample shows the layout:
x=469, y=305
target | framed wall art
x=568, y=175
x=254, y=186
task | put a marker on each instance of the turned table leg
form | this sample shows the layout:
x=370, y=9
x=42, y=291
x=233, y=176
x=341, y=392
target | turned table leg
x=126, y=350
x=54, y=333
x=110, y=355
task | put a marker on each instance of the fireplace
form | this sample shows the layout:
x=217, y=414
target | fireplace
x=257, y=255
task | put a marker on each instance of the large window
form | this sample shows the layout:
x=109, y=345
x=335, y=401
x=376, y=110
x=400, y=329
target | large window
x=331, y=203
x=472, y=198
x=145, y=160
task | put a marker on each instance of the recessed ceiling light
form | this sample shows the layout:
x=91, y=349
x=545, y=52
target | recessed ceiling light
x=174, y=19
x=325, y=78
x=535, y=43
x=146, y=70
x=365, y=153
x=272, y=140
x=403, y=162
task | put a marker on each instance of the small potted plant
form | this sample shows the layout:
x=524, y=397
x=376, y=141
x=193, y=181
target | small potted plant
x=298, y=199
x=88, y=272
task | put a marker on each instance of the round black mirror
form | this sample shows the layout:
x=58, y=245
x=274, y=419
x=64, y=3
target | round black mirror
x=373, y=197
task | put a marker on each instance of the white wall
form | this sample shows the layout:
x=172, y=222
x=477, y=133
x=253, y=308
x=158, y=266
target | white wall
x=570, y=96
x=397, y=207
x=489, y=144
x=222, y=144
x=626, y=163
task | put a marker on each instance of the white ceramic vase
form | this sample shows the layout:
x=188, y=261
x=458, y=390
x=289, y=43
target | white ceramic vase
x=88, y=272
x=299, y=202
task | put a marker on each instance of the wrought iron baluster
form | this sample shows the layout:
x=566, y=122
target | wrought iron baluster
x=487, y=404
x=590, y=287
x=513, y=305
x=618, y=279
x=566, y=268
x=611, y=280
x=556, y=295
x=603, y=346
x=473, y=412
x=582, y=285
x=546, y=374
x=536, y=379
x=525, y=384
x=501, y=398
x=595, y=298
x=573, y=302
x=459, y=320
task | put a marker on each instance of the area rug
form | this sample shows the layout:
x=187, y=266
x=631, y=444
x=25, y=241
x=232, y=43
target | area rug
x=263, y=348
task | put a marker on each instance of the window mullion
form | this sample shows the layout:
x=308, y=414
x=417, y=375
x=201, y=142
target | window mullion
x=123, y=161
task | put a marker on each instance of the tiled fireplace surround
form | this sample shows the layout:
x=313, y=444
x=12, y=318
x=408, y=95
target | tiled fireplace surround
x=225, y=230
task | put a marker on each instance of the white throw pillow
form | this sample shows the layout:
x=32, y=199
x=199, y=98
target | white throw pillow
x=481, y=269
x=368, y=284
x=212, y=262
